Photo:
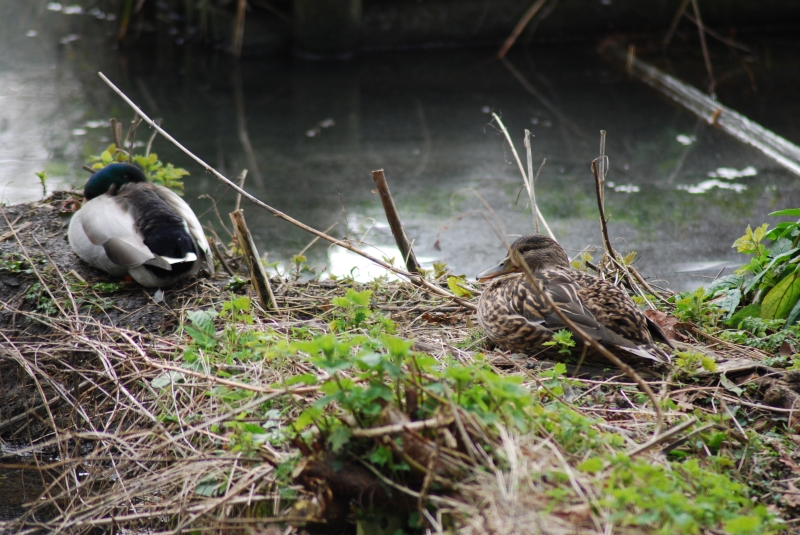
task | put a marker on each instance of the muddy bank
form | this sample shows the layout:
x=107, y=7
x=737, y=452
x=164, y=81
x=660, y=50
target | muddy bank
x=36, y=253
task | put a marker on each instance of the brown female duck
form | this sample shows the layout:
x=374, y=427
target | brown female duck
x=517, y=318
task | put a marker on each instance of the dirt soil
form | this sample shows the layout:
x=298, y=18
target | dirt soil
x=40, y=236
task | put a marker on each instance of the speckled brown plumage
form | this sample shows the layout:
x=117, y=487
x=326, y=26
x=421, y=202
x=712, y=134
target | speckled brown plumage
x=517, y=318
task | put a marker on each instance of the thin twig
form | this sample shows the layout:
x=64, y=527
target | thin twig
x=675, y=21
x=242, y=177
x=530, y=182
x=515, y=33
x=706, y=58
x=521, y=170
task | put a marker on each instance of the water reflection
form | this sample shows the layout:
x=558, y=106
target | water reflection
x=311, y=133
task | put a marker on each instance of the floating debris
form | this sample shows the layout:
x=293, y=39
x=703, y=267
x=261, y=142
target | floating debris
x=730, y=174
x=627, y=188
x=686, y=140
x=706, y=185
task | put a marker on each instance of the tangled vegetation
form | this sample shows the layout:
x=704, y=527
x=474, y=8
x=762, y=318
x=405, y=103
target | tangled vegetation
x=376, y=406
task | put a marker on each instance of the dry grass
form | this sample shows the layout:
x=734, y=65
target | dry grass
x=120, y=448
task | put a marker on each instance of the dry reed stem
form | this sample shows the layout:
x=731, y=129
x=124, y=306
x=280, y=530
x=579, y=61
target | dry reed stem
x=524, y=176
x=523, y=22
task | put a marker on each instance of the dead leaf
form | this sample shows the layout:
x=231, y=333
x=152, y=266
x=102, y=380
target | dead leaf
x=792, y=496
x=668, y=324
x=788, y=462
x=576, y=514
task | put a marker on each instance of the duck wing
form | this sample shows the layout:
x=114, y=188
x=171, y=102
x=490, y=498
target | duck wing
x=109, y=222
x=564, y=291
x=192, y=223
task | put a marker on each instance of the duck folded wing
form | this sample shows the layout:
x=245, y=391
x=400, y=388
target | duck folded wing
x=193, y=225
x=109, y=223
x=564, y=293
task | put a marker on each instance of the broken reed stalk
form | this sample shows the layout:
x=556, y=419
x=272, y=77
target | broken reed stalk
x=238, y=32
x=218, y=254
x=675, y=22
x=599, y=170
x=250, y=253
x=242, y=177
x=522, y=171
x=711, y=82
x=396, y=225
x=415, y=279
x=116, y=132
x=530, y=184
x=523, y=22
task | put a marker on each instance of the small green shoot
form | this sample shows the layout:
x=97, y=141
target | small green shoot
x=43, y=176
x=563, y=340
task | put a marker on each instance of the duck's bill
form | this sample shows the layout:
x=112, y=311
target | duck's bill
x=500, y=269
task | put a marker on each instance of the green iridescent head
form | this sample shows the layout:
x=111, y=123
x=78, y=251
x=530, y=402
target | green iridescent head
x=117, y=174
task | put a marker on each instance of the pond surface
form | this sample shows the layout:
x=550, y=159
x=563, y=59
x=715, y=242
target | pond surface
x=309, y=133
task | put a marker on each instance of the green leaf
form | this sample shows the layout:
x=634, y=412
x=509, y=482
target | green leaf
x=749, y=243
x=792, y=212
x=708, y=364
x=780, y=246
x=750, y=311
x=455, y=285
x=201, y=337
x=381, y=456
x=396, y=346
x=166, y=379
x=306, y=379
x=723, y=283
x=359, y=298
x=208, y=487
x=779, y=258
x=793, y=315
x=591, y=466
x=307, y=417
x=727, y=384
x=781, y=299
x=728, y=300
x=340, y=436
x=742, y=525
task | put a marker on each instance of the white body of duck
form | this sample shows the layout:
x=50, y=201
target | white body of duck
x=129, y=226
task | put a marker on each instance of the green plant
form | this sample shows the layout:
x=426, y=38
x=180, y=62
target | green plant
x=563, y=341
x=43, y=176
x=156, y=171
x=39, y=295
x=690, y=361
x=773, y=270
x=351, y=310
x=458, y=285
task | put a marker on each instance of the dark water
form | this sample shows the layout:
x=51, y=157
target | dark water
x=311, y=133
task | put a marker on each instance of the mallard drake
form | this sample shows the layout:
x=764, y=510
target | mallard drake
x=516, y=318
x=129, y=226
